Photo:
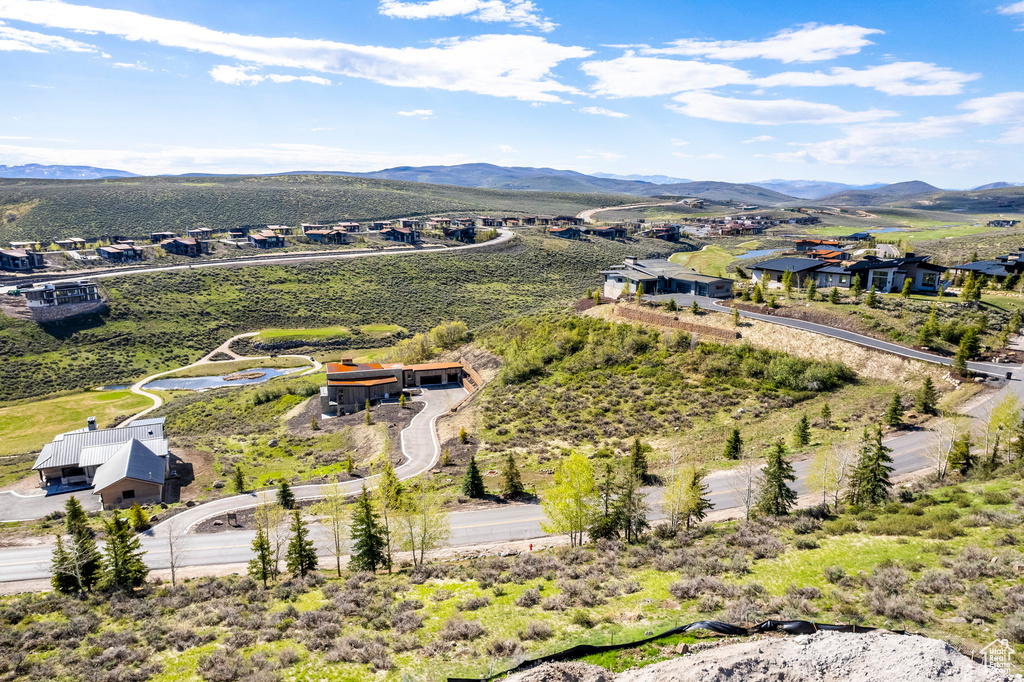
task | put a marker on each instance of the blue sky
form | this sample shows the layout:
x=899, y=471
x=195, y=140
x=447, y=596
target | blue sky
x=738, y=91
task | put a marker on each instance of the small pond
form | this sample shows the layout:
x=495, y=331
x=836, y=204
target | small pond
x=883, y=230
x=757, y=253
x=199, y=383
x=115, y=387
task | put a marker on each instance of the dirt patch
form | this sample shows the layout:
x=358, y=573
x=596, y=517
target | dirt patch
x=367, y=440
x=833, y=656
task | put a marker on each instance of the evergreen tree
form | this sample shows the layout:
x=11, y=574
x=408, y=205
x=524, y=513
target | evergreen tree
x=695, y=308
x=671, y=306
x=64, y=579
x=930, y=328
x=960, y=456
x=894, y=412
x=464, y=436
x=775, y=497
x=787, y=283
x=1013, y=325
x=758, y=295
x=631, y=507
x=926, y=398
x=870, y=482
x=473, y=482
x=638, y=460
x=369, y=415
x=401, y=400
x=76, y=565
x=833, y=296
x=367, y=535
x=735, y=317
x=123, y=567
x=802, y=432
x=960, y=363
x=511, y=481
x=872, y=300
x=733, y=446
x=261, y=565
x=301, y=557
x=856, y=288
x=138, y=518
x=605, y=524
x=970, y=343
x=826, y=416
x=906, y=288
x=597, y=296
x=812, y=290
x=698, y=500
x=639, y=291
x=238, y=480
x=76, y=520
x=285, y=496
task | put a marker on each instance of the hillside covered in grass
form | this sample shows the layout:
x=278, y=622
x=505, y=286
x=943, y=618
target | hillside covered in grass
x=166, y=320
x=134, y=207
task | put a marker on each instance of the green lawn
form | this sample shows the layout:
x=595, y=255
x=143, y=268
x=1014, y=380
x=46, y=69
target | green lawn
x=27, y=427
x=711, y=260
x=275, y=335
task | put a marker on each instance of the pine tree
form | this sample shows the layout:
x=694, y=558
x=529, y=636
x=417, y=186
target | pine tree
x=906, y=288
x=76, y=565
x=695, y=308
x=970, y=344
x=802, y=432
x=260, y=567
x=638, y=460
x=733, y=446
x=64, y=579
x=894, y=412
x=512, y=482
x=787, y=283
x=597, y=296
x=301, y=557
x=758, y=295
x=960, y=456
x=123, y=567
x=401, y=400
x=473, y=482
x=238, y=480
x=775, y=497
x=639, y=292
x=285, y=496
x=735, y=317
x=463, y=436
x=967, y=286
x=812, y=290
x=314, y=425
x=698, y=499
x=856, y=288
x=872, y=300
x=138, y=518
x=826, y=416
x=870, y=482
x=930, y=328
x=368, y=540
x=833, y=296
x=605, y=524
x=631, y=507
x=76, y=520
x=927, y=397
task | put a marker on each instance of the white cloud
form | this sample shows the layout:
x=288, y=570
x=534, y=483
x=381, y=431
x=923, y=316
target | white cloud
x=13, y=39
x=632, y=76
x=418, y=113
x=768, y=112
x=808, y=43
x=269, y=158
x=516, y=12
x=1015, y=8
x=846, y=153
x=516, y=66
x=506, y=148
x=134, y=66
x=679, y=143
x=759, y=138
x=897, y=78
x=243, y=75
x=601, y=111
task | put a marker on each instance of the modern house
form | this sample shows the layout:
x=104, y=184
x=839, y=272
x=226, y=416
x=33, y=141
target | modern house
x=20, y=260
x=119, y=253
x=660, y=276
x=816, y=244
x=186, y=246
x=668, y=233
x=885, y=275
x=829, y=255
x=565, y=232
x=333, y=236
x=609, y=232
x=199, y=233
x=266, y=239
x=1003, y=223
x=70, y=243
x=996, y=270
x=61, y=293
x=461, y=230
x=399, y=234
x=381, y=225
x=351, y=384
x=123, y=466
x=157, y=237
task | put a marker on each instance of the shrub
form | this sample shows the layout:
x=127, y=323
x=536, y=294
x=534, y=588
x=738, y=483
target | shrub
x=504, y=648
x=536, y=631
x=888, y=579
x=937, y=582
x=709, y=603
x=944, y=530
x=840, y=526
x=742, y=610
x=582, y=618
x=529, y=598
x=899, y=525
x=996, y=497
x=221, y=666
x=406, y=622
x=806, y=543
x=835, y=574
x=557, y=602
x=805, y=525
x=441, y=595
x=474, y=603
x=898, y=607
x=287, y=656
x=1013, y=627
x=458, y=630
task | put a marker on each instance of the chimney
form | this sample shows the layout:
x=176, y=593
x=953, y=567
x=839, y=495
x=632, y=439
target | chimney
x=92, y=423
x=908, y=254
x=630, y=260
x=347, y=361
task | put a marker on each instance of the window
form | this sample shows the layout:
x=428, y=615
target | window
x=842, y=279
x=778, y=278
x=128, y=495
x=880, y=280
x=929, y=280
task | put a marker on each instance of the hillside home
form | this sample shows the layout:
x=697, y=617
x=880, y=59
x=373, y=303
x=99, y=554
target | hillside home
x=61, y=293
x=829, y=255
x=399, y=234
x=886, y=275
x=204, y=233
x=816, y=244
x=996, y=270
x=609, y=232
x=693, y=203
x=351, y=384
x=119, y=253
x=70, y=243
x=668, y=233
x=410, y=224
x=381, y=225
x=568, y=220
x=511, y=221
x=349, y=227
x=185, y=246
x=20, y=260
x=660, y=276
x=488, y=221
x=460, y=231
x=565, y=232
x=328, y=236
x=441, y=223
x=123, y=465
x=266, y=239
x=1003, y=223
x=279, y=229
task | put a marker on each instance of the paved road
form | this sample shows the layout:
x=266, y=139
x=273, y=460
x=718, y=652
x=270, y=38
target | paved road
x=588, y=215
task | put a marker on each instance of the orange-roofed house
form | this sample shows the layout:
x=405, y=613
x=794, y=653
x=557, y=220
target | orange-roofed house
x=351, y=384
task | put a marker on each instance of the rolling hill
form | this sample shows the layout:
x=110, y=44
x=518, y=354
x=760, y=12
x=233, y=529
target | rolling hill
x=999, y=200
x=35, y=170
x=810, y=189
x=879, y=195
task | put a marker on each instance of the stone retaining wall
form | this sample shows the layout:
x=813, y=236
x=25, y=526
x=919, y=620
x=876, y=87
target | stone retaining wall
x=63, y=312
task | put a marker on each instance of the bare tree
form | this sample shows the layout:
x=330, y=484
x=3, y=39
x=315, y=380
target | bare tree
x=744, y=482
x=842, y=457
x=944, y=439
x=819, y=474
x=177, y=546
x=334, y=517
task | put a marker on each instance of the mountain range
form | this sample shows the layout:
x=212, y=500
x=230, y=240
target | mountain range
x=56, y=172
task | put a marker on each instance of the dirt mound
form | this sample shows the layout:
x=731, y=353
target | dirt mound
x=823, y=657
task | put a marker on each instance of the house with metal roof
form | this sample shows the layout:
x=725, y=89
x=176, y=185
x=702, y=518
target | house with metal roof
x=996, y=270
x=886, y=275
x=770, y=273
x=351, y=384
x=123, y=465
x=660, y=276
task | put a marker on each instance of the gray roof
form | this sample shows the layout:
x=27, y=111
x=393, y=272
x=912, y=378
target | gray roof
x=789, y=263
x=99, y=454
x=835, y=270
x=132, y=460
x=661, y=268
x=986, y=267
x=66, y=449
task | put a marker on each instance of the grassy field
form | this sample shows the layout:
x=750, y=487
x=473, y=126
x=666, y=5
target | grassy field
x=55, y=209
x=939, y=563
x=325, y=333
x=231, y=366
x=28, y=426
x=169, y=320
x=710, y=260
